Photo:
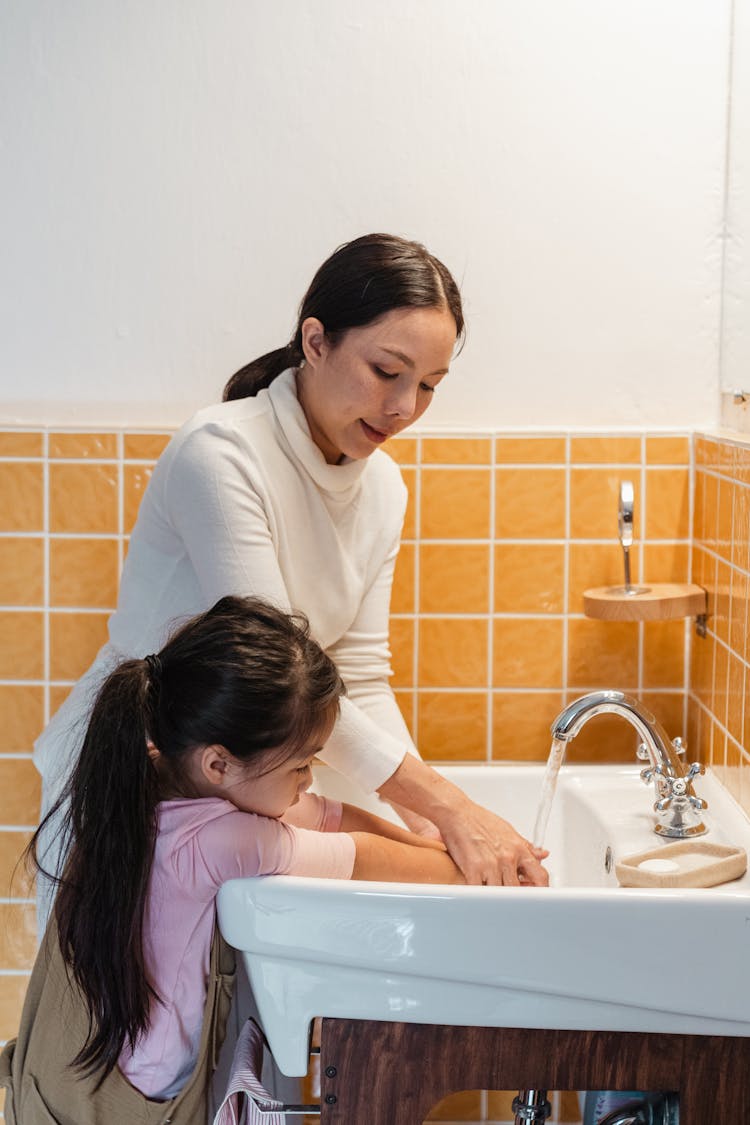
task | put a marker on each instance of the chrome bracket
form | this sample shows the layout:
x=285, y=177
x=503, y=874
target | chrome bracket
x=531, y=1106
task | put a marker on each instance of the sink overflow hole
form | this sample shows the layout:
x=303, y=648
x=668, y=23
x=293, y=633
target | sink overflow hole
x=608, y=860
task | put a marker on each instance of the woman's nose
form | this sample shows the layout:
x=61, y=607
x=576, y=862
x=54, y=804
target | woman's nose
x=402, y=400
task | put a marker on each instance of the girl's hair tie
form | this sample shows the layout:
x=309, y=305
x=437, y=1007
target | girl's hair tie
x=154, y=670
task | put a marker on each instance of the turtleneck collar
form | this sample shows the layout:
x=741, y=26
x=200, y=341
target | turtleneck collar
x=293, y=423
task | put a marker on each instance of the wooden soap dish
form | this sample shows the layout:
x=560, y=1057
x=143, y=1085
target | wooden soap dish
x=692, y=863
x=656, y=601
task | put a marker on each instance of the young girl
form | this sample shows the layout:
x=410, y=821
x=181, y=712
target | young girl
x=194, y=770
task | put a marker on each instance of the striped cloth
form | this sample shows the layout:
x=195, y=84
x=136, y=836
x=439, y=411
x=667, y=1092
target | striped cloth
x=247, y=1064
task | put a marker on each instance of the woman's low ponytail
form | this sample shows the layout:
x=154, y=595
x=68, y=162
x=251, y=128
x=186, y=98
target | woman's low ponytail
x=259, y=374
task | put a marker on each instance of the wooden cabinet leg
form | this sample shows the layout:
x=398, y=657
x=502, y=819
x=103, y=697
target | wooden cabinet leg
x=376, y=1073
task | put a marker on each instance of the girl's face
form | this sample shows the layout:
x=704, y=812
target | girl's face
x=375, y=381
x=268, y=790
x=271, y=792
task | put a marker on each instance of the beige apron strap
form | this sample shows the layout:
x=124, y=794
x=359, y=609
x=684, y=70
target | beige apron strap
x=45, y=1088
x=191, y=1104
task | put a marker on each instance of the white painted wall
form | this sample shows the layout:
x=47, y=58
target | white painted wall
x=173, y=172
x=736, y=336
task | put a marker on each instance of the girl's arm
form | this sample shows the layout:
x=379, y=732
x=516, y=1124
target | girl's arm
x=393, y=861
x=354, y=819
x=388, y=852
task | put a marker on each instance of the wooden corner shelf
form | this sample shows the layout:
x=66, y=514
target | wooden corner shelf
x=658, y=601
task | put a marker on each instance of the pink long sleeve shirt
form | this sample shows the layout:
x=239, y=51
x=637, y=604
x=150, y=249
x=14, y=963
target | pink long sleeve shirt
x=200, y=845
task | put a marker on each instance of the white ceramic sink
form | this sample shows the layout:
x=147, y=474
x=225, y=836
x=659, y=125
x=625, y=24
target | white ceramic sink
x=581, y=954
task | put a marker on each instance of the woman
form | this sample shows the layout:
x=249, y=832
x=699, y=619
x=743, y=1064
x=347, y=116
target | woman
x=281, y=492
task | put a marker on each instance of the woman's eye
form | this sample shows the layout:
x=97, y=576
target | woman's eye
x=385, y=374
x=427, y=387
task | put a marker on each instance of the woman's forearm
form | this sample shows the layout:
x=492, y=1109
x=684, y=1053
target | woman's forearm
x=423, y=790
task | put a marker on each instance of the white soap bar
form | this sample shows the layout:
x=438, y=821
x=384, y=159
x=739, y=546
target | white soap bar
x=660, y=865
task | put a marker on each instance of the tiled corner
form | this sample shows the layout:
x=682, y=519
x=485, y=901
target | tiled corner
x=719, y=667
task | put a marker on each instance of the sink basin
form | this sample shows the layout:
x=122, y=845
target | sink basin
x=581, y=954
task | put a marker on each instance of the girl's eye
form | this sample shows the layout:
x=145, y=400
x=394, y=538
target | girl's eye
x=384, y=374
x=427, y=387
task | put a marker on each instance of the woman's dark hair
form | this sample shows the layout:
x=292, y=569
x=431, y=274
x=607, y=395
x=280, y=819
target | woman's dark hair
x=362, y=280
x=244, y=676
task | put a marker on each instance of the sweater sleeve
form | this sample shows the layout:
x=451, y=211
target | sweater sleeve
x=224, y=526
x=371, y=738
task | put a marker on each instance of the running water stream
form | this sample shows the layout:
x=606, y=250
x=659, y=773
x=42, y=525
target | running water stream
x=549, y=784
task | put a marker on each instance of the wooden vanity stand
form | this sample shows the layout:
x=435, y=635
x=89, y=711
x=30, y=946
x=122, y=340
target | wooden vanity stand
x=377, y=1073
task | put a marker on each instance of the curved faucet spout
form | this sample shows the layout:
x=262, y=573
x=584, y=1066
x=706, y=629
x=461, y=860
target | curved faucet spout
x=676, y=805
x=661, y=751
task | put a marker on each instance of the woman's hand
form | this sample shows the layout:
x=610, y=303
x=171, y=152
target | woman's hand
x=490, y=851
x=485, y=847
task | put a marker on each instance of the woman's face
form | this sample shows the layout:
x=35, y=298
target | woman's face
x=375, y=381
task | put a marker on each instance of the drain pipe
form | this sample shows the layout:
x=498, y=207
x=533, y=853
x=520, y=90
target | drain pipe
x=531, y=1106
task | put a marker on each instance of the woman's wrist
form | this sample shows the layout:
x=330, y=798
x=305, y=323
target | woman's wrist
x=423, y=790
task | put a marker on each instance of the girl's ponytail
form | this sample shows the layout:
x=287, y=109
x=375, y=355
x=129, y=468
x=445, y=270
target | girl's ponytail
x=259, y=374
x=100, y=903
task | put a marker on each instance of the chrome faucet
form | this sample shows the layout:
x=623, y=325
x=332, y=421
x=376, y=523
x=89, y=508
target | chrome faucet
x=677, y=807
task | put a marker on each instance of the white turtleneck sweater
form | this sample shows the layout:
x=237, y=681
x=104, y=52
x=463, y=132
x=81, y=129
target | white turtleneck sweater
x=243, y=502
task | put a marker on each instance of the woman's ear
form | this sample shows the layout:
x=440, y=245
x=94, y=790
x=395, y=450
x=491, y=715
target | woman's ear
x=213, y=763
x=314, y=341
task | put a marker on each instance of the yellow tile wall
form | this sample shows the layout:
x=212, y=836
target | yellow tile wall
x=67, y=500
x=502, y=535
x=719, y=709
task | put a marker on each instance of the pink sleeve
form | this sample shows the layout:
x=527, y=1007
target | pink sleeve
x=241, y=844
x=312, y=811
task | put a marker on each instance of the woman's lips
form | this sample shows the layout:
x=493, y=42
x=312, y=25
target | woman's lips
x=374, y=435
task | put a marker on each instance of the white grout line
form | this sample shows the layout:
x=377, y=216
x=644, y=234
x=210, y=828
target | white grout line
x=566, y=570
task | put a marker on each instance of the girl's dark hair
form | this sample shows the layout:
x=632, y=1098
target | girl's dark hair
x=243, y=675
x=362, y=280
